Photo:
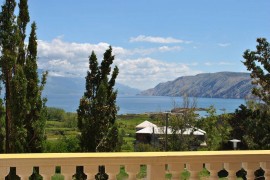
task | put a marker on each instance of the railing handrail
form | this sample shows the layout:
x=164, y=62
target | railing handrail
x=214, y=161
x=133, y=154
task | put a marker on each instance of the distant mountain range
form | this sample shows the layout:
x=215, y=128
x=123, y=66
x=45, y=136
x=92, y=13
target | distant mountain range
x=209, y=85
x=75, y=86
x=69, y=90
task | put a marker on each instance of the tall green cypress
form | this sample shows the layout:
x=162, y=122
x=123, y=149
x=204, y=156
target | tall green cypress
x=18, y=111
x=2, y=127
x=22, y=21
x=97, y=110
x=36, y=109
x=9, y=49
x=24, y=107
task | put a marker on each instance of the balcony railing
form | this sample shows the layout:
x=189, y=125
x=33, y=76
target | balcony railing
x=256, y=164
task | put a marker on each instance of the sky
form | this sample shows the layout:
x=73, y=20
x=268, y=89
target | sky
x=153, y=40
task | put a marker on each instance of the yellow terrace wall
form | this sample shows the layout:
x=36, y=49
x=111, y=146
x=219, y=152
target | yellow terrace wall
x=214, y=161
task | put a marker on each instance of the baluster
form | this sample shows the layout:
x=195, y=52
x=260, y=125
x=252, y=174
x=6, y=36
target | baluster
x=112, y=171
x=101, y=173
x=24, y=172
x=251, y=168
x=155, y=171
x=68, y=171
x=232, y=168
x=176, y=169
x=213, y=168
x=194, y=169
x=46, y=172
x=3, y=172
x=266, y=167
x=132, y=170
x=90, y=171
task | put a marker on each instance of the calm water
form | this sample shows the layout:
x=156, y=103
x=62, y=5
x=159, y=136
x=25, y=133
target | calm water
x=142, y=104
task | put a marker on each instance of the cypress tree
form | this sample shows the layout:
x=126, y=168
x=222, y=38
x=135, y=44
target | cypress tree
x=2, y=127
x=18, y=111
x=22, y=21
x=97, y=110
x=24, y=107
x=8, y=43
x=36, y=109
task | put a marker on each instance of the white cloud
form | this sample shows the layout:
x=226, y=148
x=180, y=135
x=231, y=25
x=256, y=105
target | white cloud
x=224, y=44
x=71, y=59
x=145, y=73
x=155, y=39
x=221, y=63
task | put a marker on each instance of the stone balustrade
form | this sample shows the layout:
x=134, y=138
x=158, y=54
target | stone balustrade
x=254, y=164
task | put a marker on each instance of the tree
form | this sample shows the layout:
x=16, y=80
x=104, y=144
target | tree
x=181, y=122
x=258, y=63
x=251, y=126
x=18, y=101
x=217, y=129
x=2, y=127
x=251, y=123
x=35, y=118
x=9, y=44
x=24, y=107
x=22, y=22
x=97, y=110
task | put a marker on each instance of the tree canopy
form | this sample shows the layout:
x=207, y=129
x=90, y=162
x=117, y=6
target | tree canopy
x=97, y=110
x=23, y=104
x=258, y=63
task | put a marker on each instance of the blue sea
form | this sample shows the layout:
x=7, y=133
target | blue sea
x=144, y=104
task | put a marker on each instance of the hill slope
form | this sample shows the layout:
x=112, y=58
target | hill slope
x=216, y=85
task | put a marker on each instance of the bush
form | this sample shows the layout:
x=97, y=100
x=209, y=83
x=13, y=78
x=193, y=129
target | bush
x=64, y=144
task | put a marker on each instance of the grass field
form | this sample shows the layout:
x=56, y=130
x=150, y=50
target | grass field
x=58, y=132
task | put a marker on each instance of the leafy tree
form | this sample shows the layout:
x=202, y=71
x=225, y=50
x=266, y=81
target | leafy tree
x=97, y=110
x=258, y=63
x=55, y=114
x=251, y=123
x=251, y=126
x=217, y=129
x=180, y=122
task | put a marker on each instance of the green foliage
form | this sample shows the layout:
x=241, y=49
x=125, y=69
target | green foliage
x=141, y=147
x=24, y=106
x=18, y=102
x=22, y=21
x=204, y=173
x=58, y=177
x=35, y=175
x=185, y=175
x=251, y=126
x=8, y=42
x=217, y=129
x=55, y=114
x=97, y=110
x=258, y=63
x=122, y=174
x=180, y=123
x=36, y=110
x=143, y=172
x=2, y=127
x=63, y=144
